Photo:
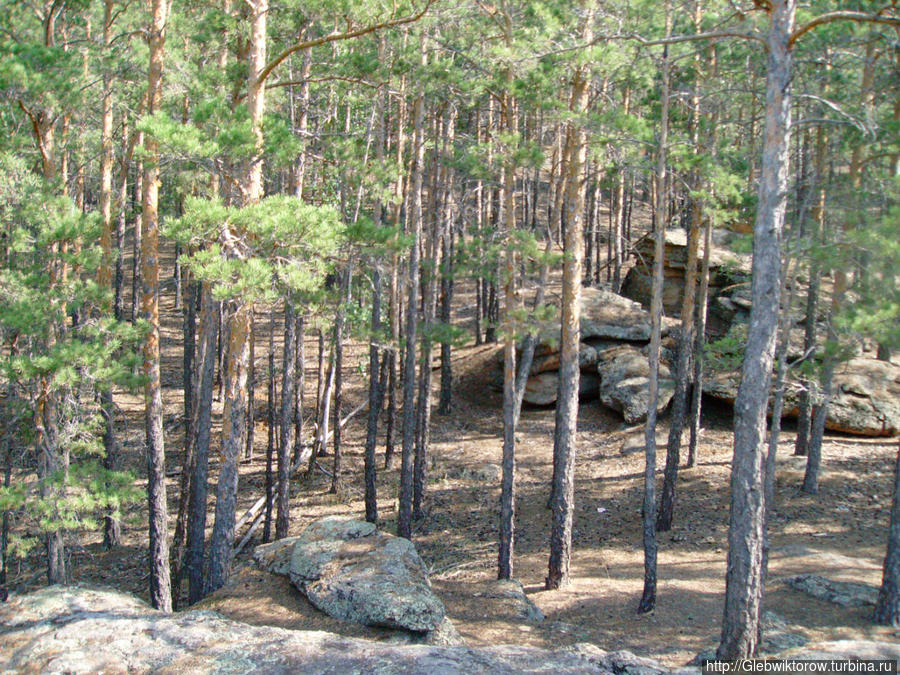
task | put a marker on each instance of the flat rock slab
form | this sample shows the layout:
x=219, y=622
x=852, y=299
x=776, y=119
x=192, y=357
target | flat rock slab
x=843, y=593
x=350, y=571
x=78, y=630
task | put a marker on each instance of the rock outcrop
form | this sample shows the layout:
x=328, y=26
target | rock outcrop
x=608, y=321
x=80, y=630
x=865, y=399
x=725, y=268
x=350, y=571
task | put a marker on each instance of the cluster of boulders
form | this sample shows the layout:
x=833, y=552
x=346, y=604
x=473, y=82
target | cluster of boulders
x=615, y=332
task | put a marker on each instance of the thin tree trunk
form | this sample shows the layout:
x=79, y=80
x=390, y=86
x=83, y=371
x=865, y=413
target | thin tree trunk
x=320, y=388
x=336, y=485
x=423, y=407
x=809, y=389
x=371, y=490
x=648, y=597
x=682, y=379
x=299, y=390
x=188, y=459
x=251, y=391
x=508, y=480
x=404, y=520
x=270, y=447
x=288, y=407
x=699, y=342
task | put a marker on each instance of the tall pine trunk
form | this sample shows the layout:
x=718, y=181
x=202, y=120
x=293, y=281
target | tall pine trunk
x=201, y=424
x=564, y=445
x=160, y=583
x=288, y=406
x=743, y=580
x=404, y=519
x=648, y=596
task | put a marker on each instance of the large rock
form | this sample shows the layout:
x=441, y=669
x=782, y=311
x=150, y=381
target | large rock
x=625, y=383
x=67, y=629
x=606, y=318
x=865, y=400
x=725, y=268
x=610, y=316
x=542, y=389
x=352, y=572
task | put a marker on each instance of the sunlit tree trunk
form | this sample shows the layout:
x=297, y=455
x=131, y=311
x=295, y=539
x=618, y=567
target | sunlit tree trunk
x=564, y=448
x=648, y=597
x=743, y=579
x=160, y=585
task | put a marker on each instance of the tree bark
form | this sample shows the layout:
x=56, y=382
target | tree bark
x=648, y=596
x=404, y=520
x=160, y=583
x=288, y=404
x=234, y=421
x=564, y=446
x=235, y=413
x=336, y=485
x=887, y=608
x=371, y=489
x=201, y=424
x=743, y=581
x=510, y=413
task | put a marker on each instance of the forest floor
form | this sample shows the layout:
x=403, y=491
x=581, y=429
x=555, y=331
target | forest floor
x=840, y=533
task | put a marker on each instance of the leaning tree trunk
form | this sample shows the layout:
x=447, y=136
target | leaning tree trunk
x=682, y=380
x=187, y=463
x=743, y=580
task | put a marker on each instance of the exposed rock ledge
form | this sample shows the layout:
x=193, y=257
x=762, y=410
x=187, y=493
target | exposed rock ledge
x=81, y=630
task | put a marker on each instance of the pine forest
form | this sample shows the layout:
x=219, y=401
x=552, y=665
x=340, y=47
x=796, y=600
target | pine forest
x=557, y=326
